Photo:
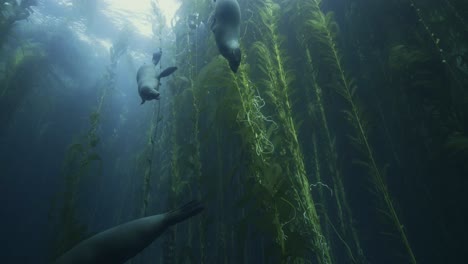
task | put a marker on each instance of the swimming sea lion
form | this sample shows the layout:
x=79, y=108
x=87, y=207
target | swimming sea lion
x=225, y=24
x=120, y=243
x=149, y=82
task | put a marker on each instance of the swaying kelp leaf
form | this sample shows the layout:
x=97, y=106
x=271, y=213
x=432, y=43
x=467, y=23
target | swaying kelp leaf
x=404, y=58
x=457, y=143
x=94, y=118
x=94, y=157
x=93, y=140
x=76, y=148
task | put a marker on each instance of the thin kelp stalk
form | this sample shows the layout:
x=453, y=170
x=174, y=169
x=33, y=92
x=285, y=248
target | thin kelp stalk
x=457, y=15
x=28, y=54
x=198, y=174
x=152, y=131
x=28, y=59
x=218, y=112
x=118, y=48
x=151, y=144
x=221, y=226
x=196, y=156
x=80, y=158
x=277, y=82
x=343, y=208
x=323, y=27
x=78, y=163
x=169, y=252
x=255, y=133
x=436, y=41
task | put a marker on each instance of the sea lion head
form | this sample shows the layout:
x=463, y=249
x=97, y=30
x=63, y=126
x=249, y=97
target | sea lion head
x=232, y=53
x=235, y=59
x=148, y=93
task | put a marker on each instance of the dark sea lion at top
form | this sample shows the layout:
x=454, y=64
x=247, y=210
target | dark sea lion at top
x=157, y=57
x=121, y=243
x=149, y=81
x=225, y=24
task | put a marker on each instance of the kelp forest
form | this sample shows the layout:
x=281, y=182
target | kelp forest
x=341, y=138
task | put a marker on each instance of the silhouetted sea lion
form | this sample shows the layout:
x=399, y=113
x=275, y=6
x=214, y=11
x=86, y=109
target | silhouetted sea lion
x=225, y=24
x=149, y=81
x=120, y=243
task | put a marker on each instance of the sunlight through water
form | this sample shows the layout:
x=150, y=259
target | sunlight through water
x=141, y=10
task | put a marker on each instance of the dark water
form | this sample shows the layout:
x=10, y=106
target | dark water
x=342, y=138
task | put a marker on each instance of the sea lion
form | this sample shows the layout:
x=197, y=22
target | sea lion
x=225, y=24
x=121, y=243
x=149, y=81
x=148, y=84
x=157, y=57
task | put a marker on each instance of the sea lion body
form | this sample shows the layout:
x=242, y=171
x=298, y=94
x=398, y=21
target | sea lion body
x=225, y=24
x=120, y=243
x=148, y=83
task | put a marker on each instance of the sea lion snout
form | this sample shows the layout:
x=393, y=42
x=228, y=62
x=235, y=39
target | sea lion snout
x=154, y=94
x=233, y=56
x=235, y=59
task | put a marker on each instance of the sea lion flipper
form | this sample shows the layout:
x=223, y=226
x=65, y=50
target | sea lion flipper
x=184, y=212
x=167, y=72
x=142, y=101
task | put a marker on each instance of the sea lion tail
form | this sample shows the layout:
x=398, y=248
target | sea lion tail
x=184, y=212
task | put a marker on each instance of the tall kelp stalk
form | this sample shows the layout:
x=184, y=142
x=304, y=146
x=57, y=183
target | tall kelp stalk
x=195, y=157
x=182, y=152
x=323, y=30
x=327, y=148
x=147, y=157
x=28, y=59
x=276, y=81
x=81, y=159
x=451, y=50
x=457, y=13
x=187, y=243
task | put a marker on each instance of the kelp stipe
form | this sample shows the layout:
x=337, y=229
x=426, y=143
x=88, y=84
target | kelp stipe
x=276, y=80
x=28, y=59
x=457, y=14
x=319, y=116
x=78, y=163
x=81, y=159
x=147, y=157
x=444, y=59
x=323, y=27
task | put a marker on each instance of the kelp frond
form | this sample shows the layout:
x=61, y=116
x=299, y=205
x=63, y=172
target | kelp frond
x=325, y=29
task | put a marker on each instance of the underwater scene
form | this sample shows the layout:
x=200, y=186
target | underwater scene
x=234, y=131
